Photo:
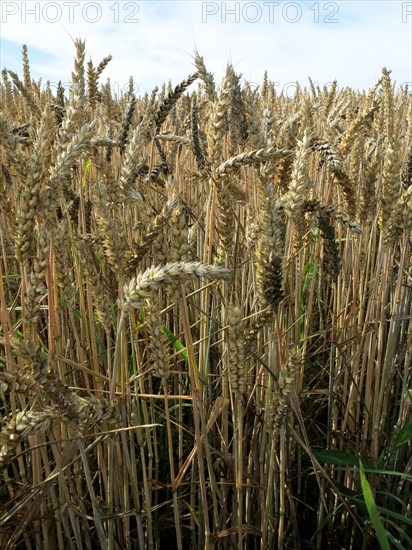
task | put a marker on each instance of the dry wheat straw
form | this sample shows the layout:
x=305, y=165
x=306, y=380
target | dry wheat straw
x=104, y=200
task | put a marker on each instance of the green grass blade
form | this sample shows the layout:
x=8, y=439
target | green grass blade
x=337, y=458
x=405, y=435
x=380, y=531
x=85, y=170
x=177, y=344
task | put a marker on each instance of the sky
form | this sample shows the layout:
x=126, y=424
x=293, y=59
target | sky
x=154, y=42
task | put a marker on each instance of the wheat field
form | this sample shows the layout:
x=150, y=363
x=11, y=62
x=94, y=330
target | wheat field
x=206, y=304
